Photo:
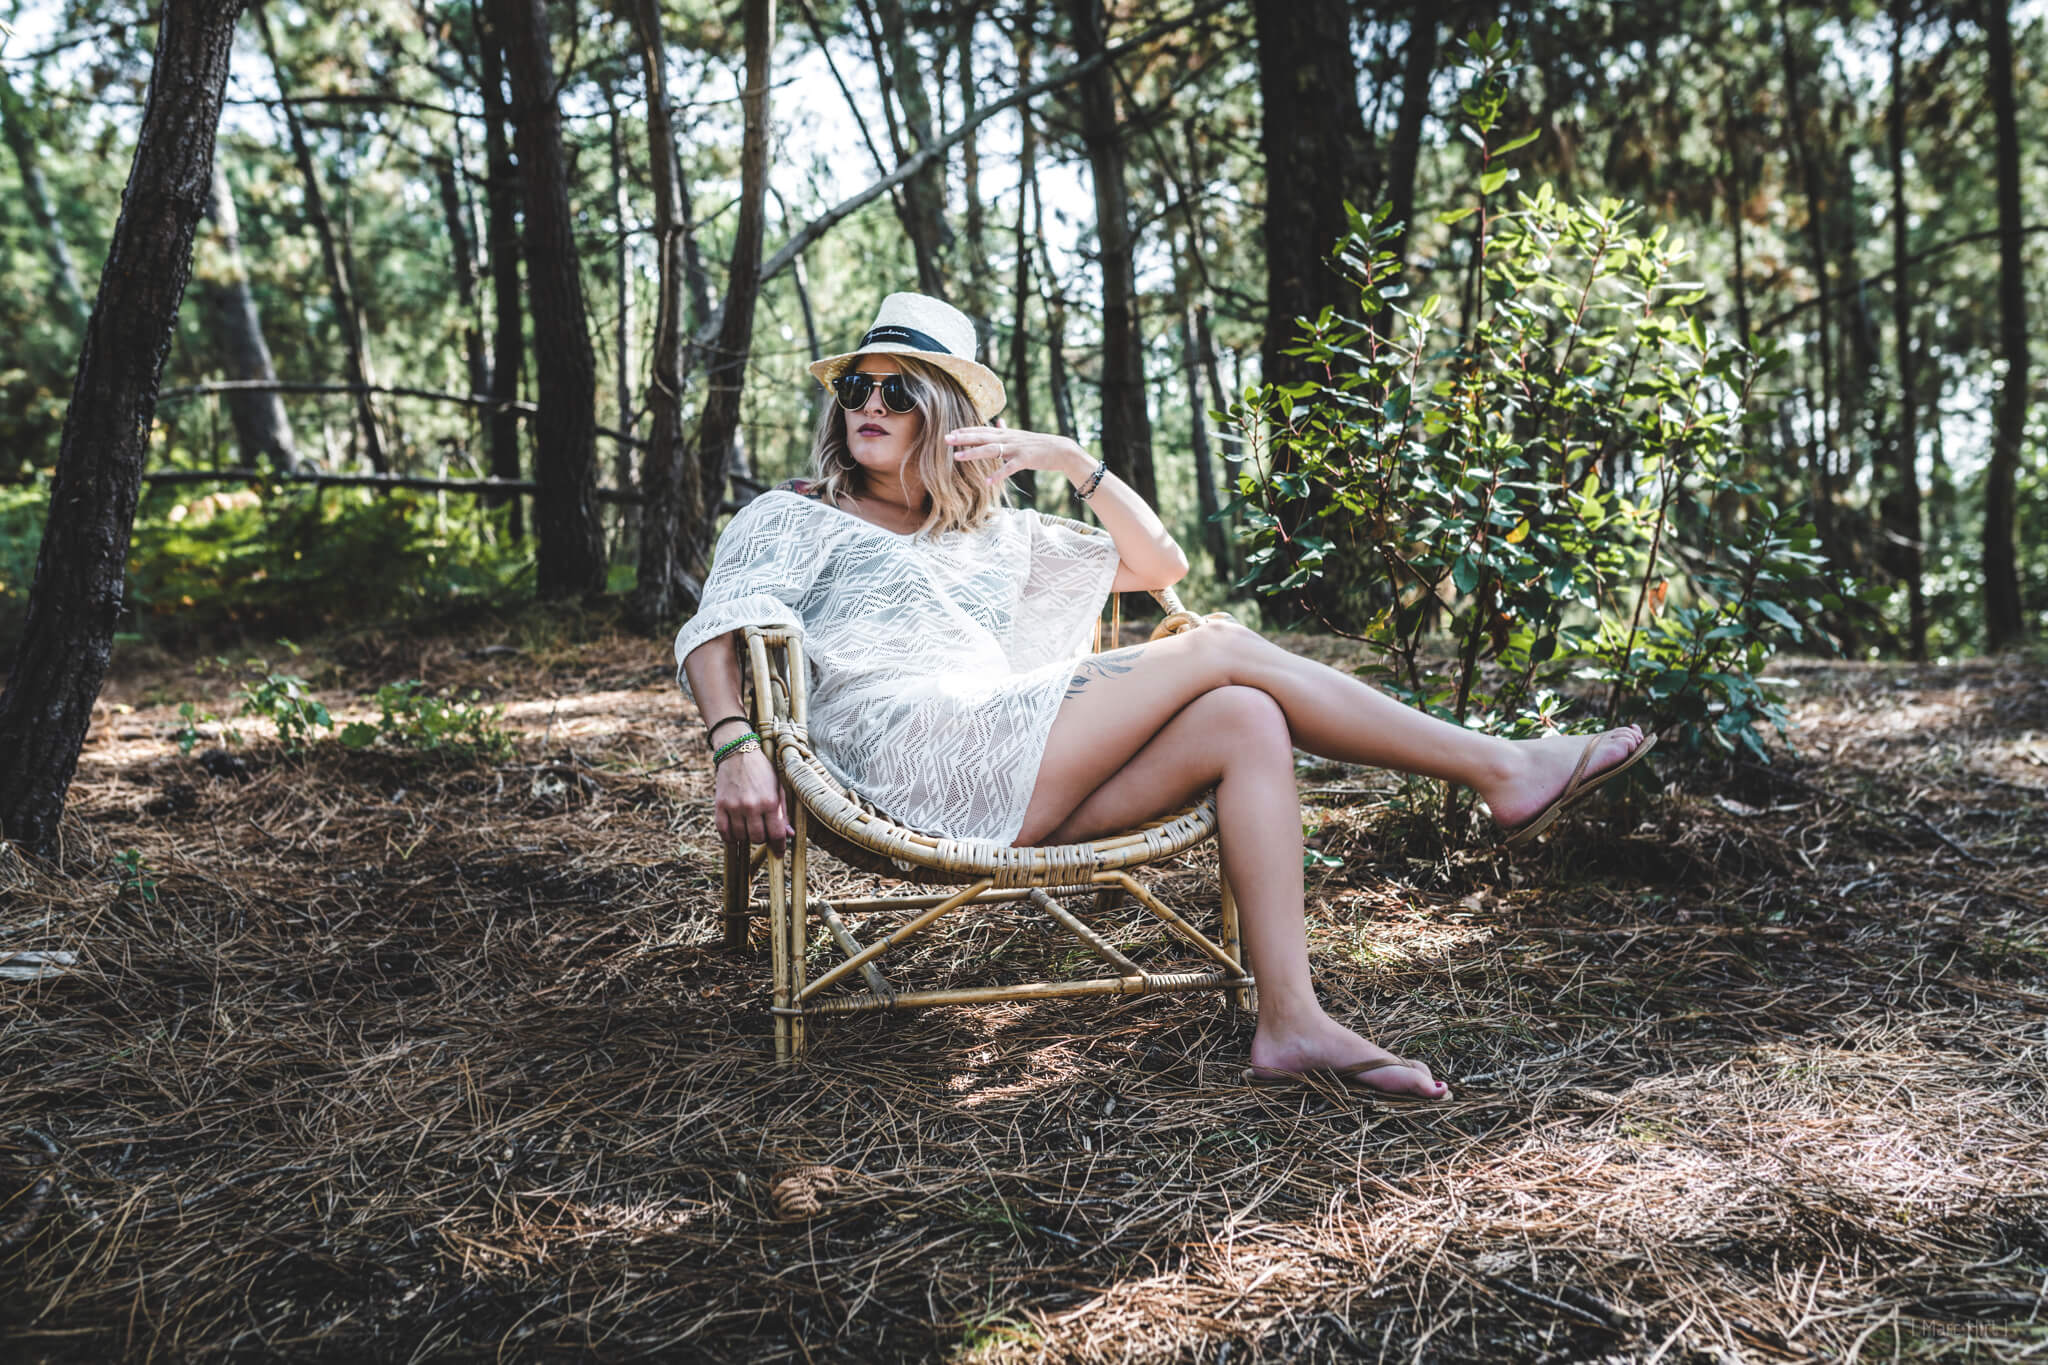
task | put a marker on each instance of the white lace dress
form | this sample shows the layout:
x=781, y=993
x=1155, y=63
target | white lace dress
x=937, y=662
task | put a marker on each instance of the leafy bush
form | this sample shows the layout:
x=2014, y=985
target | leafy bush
x=413, y=718
x=203, y=566
x=1562, y=483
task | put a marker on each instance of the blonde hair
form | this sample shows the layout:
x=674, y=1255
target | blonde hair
x=959, y=496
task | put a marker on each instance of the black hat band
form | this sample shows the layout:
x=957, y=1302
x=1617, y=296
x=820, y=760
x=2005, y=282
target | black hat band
x=908, y=336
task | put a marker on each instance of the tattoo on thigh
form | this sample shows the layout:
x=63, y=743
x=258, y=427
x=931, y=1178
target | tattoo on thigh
x=1106, y=665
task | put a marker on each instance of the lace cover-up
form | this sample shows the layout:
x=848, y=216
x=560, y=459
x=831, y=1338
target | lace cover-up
x=937, y=663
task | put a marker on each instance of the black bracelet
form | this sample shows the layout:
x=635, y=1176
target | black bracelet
x=711, y=730
x=1088, y=488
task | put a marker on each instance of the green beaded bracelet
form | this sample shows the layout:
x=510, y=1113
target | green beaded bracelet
x=734, y=746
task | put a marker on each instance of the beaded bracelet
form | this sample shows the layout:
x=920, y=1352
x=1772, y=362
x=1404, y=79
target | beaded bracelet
x=1088, y=488
x=747, y=741
x=711, y=730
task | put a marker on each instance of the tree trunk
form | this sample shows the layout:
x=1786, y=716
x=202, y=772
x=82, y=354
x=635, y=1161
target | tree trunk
x=622, y=323
x=1019, y=414
x=1816, y=233
x=970, y=180
x=17, y=123
x=341, y=290
x=476, y=365
x=67, y=641
x=1312, y=138
x=1213, y=534
x=1403, y=156
x=1126, y=425
x=2004, y=624
x=569, y=558
x=924, y=194
x=1902, y=508
x=262, y=430
x=663, y=590
x=726, y=372
x=1737, y=195
x=508, y=304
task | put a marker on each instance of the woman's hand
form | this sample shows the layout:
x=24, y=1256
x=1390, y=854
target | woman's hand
x=747, y=802
x=1019, y=450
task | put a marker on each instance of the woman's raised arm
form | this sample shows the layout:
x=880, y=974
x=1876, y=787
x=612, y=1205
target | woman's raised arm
x=1151, y=557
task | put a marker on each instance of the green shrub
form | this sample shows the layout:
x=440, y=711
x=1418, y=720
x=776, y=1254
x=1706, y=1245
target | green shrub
x=1562, y=485
x=414, y=719
x=204, y=566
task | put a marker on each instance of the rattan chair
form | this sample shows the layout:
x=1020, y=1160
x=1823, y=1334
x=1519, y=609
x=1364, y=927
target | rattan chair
x=825, y=814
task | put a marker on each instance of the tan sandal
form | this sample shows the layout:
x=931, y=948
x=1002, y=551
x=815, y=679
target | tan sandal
x=1576, y=790
x=1344, y=1077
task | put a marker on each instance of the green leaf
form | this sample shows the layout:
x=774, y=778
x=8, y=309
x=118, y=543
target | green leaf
x=1457, y=215
x=1519, y=143
x=1492, y=181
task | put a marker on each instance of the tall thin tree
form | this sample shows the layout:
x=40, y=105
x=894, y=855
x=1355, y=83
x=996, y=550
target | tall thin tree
x=569, y=558
x=262, y=429
x=76, y=597
x=2004, y=625
x=1126, y=424
x=1902, y=507
x=341, y=289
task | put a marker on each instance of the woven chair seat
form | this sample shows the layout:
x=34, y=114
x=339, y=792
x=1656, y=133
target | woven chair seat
x=861, y=836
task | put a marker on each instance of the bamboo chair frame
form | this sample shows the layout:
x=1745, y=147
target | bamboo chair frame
x=823, y=811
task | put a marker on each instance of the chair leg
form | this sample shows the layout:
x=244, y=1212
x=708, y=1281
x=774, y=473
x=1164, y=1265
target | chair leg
x=739, y=892
x=780, y=996
x=798, y=916
x=1233, y=942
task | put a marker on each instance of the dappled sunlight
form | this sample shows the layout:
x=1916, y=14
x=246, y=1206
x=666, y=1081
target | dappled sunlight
x=386, y=1039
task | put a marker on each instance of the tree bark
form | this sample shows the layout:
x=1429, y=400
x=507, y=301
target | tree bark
x=340, y=288
x=1019, y=414
x=17, y=123
x=924, y=194
x=1206, y=503
x=569, y=558
x=262, y=430
x=1816, y=232
x=1902, y=508
x=73, y=605
x=622, y=322
x=1406, y=151
x=976, y=271
x=663, y=589
x=508, y=303
x=2004, y=623
x=1312, y=137
x=462, y=252
x=726, y=370
x=1126, y=425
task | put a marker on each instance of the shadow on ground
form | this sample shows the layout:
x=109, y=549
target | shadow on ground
x=368, y=1058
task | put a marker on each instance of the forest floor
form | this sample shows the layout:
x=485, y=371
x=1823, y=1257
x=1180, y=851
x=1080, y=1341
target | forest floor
x=365, y=1057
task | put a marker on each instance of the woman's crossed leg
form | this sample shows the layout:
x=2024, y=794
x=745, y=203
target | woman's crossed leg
x=1143, y=729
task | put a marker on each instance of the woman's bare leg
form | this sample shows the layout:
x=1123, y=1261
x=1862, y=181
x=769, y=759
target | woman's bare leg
x=1119, y=700
x=1236, y=740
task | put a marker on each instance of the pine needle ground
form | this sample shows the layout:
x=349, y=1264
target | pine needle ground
x=365, y=1058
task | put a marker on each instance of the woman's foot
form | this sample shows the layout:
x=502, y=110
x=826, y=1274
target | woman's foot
x=1327, y=1045
x=1536, y=771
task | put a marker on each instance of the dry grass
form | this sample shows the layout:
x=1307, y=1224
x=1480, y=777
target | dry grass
x=414, y=1063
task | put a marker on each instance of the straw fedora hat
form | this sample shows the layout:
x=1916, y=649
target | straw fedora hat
x=933, y=331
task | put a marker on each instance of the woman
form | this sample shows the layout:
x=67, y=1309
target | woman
x=951, y=684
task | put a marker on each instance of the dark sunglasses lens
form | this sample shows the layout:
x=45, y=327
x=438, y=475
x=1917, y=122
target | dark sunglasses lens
x=853, y=390
x=896, y=395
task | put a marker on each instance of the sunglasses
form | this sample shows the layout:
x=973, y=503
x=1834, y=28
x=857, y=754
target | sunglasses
x=854, y=387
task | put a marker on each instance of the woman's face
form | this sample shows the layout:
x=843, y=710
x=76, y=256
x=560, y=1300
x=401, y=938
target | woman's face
x=878, y=439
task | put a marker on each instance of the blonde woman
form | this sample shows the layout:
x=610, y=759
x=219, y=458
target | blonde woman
x=950, y=684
